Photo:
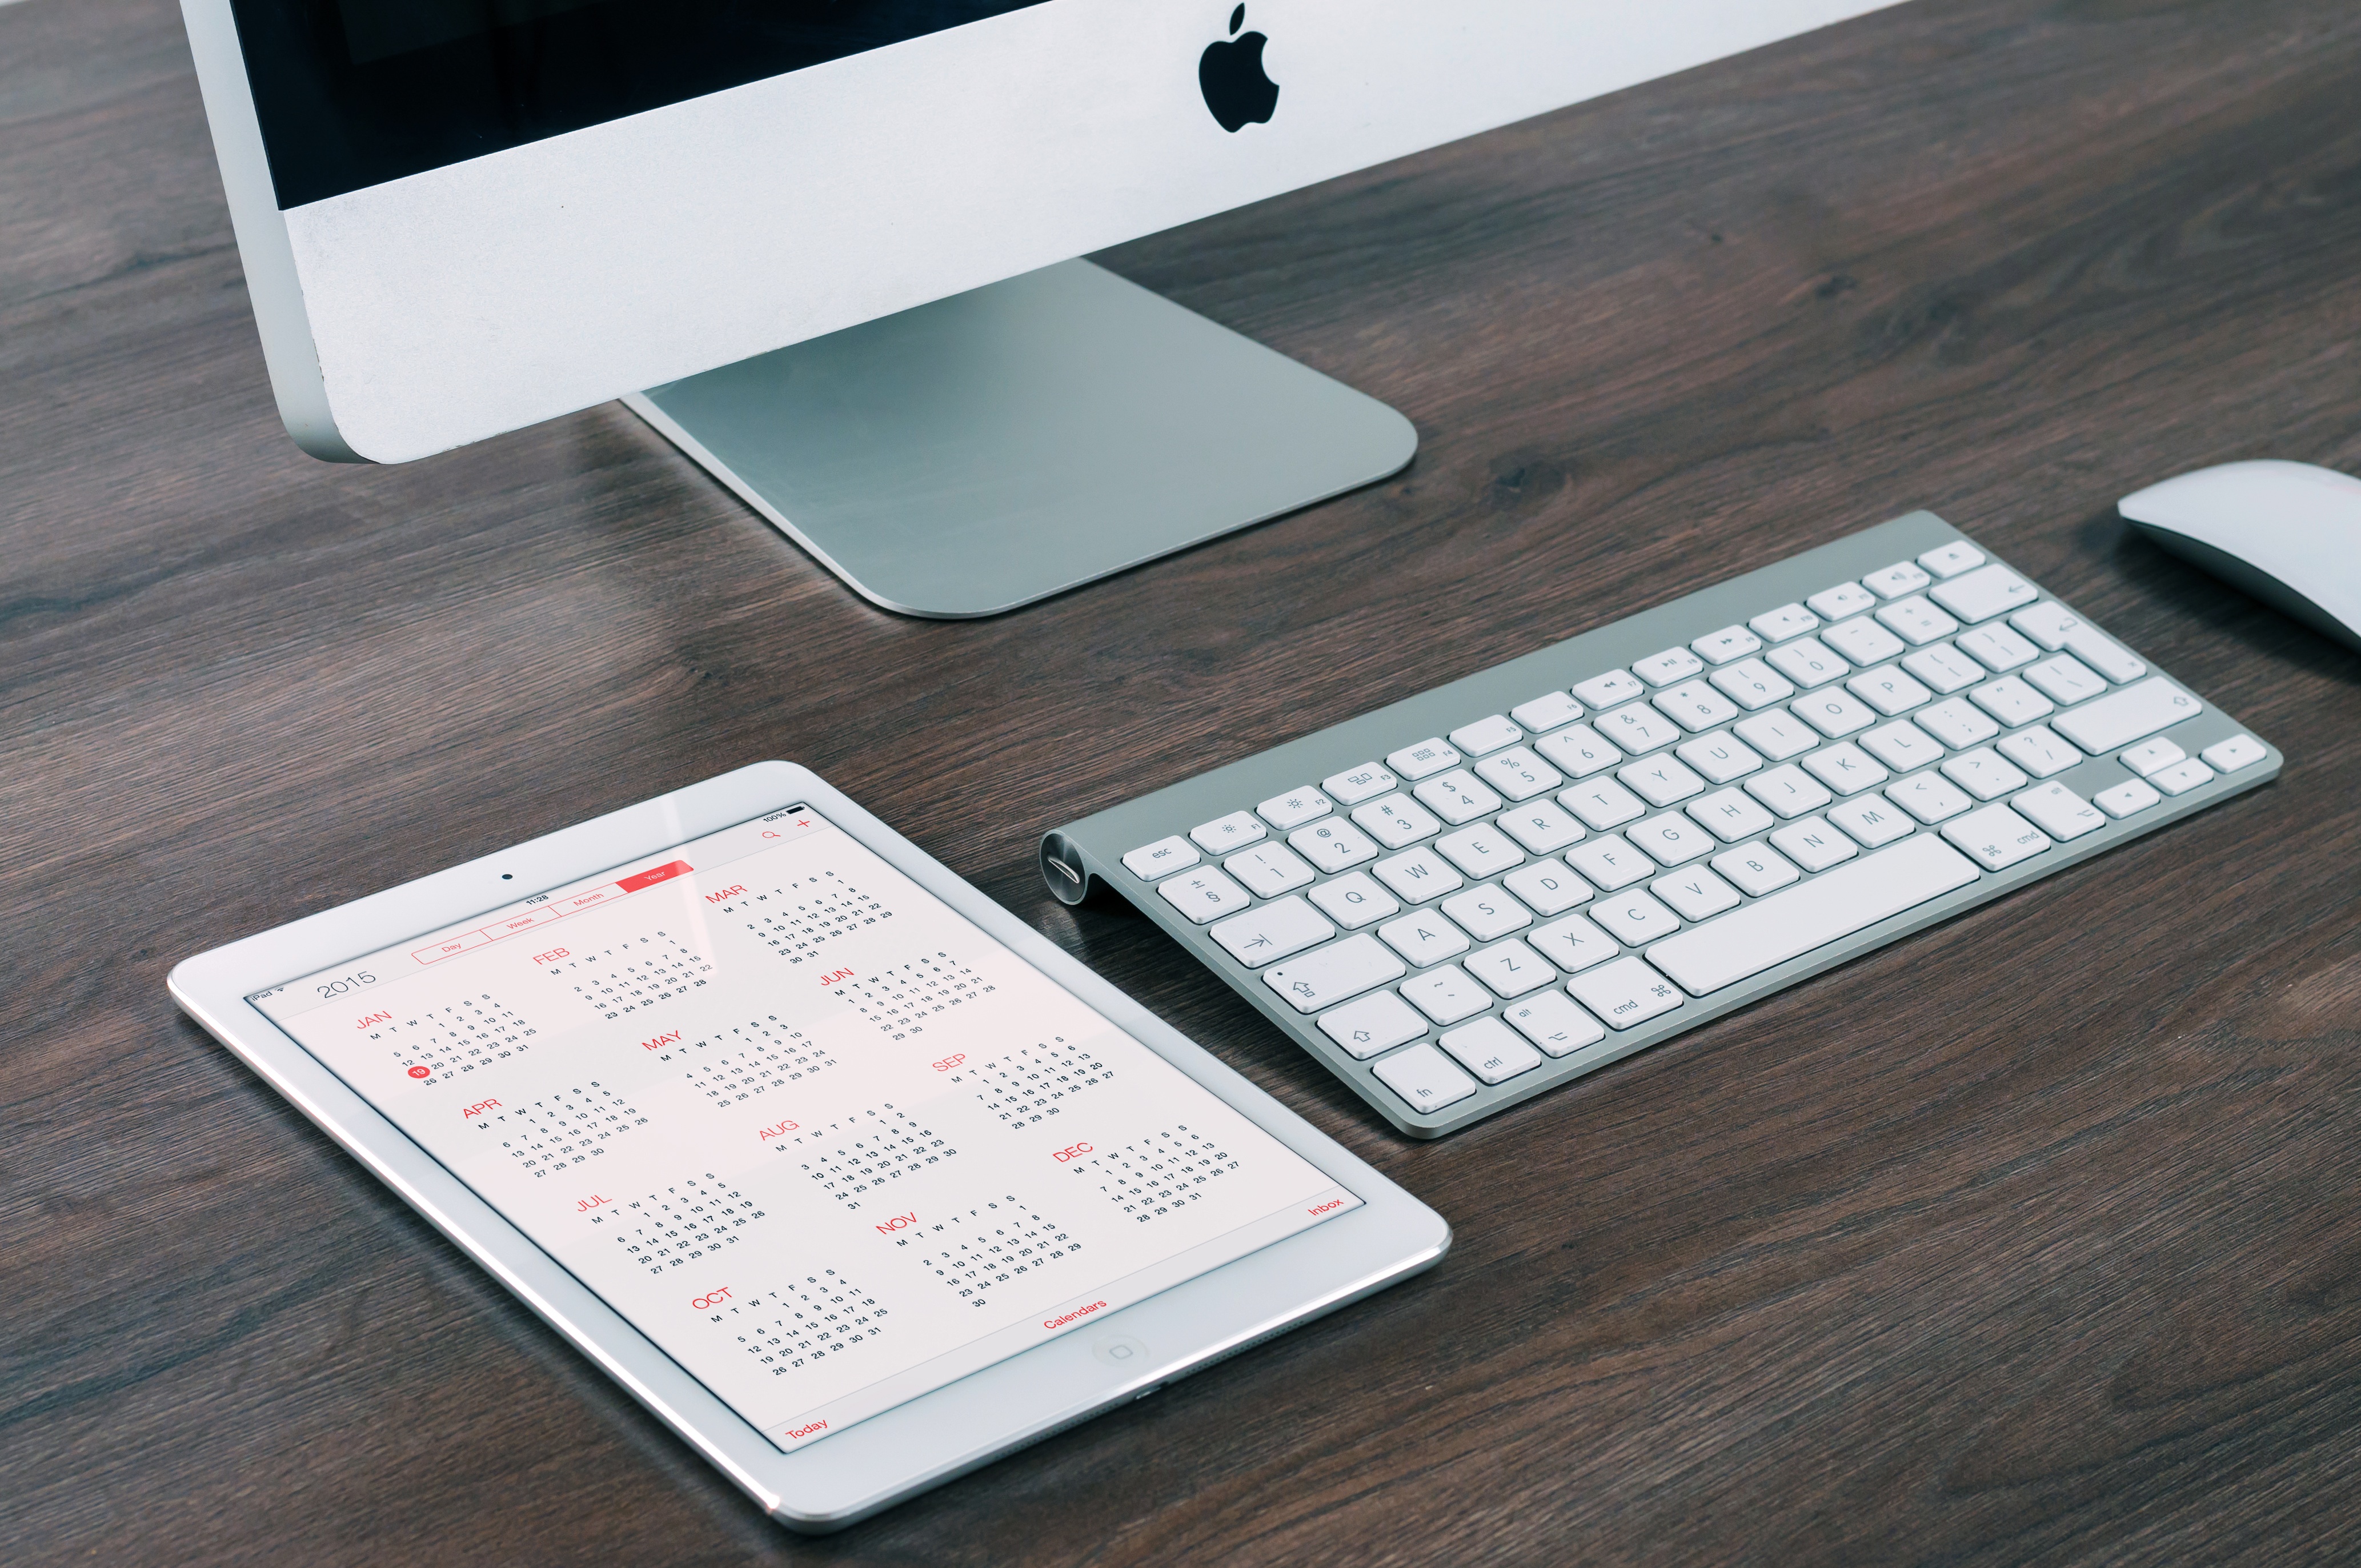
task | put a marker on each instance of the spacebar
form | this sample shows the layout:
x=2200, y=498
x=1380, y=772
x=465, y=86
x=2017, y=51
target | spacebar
x=1833, y=905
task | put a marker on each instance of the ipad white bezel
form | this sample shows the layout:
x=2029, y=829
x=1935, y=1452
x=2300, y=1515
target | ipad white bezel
x=936, y=1436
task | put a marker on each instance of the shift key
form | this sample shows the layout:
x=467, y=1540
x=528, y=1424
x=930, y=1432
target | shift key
x=1334, y=973
x=2110, y=722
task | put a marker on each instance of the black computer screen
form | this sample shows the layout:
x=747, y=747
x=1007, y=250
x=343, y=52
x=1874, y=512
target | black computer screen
x=355, y=92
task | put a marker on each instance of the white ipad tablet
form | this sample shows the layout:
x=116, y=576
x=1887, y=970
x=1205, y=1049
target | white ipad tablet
x=845, y=1173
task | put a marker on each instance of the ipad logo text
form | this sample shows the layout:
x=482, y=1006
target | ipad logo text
x=374, y=1018
x=807, y=1432
x=671, y=1038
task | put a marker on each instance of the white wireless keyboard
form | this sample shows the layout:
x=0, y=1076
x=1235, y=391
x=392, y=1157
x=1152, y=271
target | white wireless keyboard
x=1480, y=892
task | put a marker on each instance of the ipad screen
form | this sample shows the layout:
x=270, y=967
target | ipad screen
x=819, y=1136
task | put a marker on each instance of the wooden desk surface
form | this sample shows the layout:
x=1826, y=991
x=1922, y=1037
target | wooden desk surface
x=2033, y=1237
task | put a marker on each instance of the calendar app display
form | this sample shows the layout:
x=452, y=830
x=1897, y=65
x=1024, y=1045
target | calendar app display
x=823, y=1140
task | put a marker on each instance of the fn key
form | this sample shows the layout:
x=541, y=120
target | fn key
x=1421, y=1076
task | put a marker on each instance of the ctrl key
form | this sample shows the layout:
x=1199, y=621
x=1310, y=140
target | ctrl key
x=1487, y=1049
x=1422, y=1076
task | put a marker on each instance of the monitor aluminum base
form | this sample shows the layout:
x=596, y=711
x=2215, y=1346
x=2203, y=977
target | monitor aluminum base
x=999, y=446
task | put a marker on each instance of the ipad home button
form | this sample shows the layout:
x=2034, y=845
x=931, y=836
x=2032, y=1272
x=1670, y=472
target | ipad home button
x=1120, y=1350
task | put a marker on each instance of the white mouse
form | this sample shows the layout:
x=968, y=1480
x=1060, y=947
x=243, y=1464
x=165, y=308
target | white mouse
x=2287, y=533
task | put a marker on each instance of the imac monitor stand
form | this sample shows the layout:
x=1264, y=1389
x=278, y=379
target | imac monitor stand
x=964, y=457
x=825, y=245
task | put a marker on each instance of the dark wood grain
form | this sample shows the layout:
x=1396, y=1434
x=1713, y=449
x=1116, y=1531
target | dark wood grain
x=2033, y=1238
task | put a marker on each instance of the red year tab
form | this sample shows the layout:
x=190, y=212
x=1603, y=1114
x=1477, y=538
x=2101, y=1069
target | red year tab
x=650, y=878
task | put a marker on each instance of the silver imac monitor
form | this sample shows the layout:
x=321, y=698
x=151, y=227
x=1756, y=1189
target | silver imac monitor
x=827, y=247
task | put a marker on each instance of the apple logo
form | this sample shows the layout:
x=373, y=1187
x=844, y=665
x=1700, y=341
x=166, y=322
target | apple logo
x=1237, y=89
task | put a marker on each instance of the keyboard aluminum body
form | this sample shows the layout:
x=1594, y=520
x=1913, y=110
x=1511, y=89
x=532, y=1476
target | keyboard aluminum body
x=1897, y=872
